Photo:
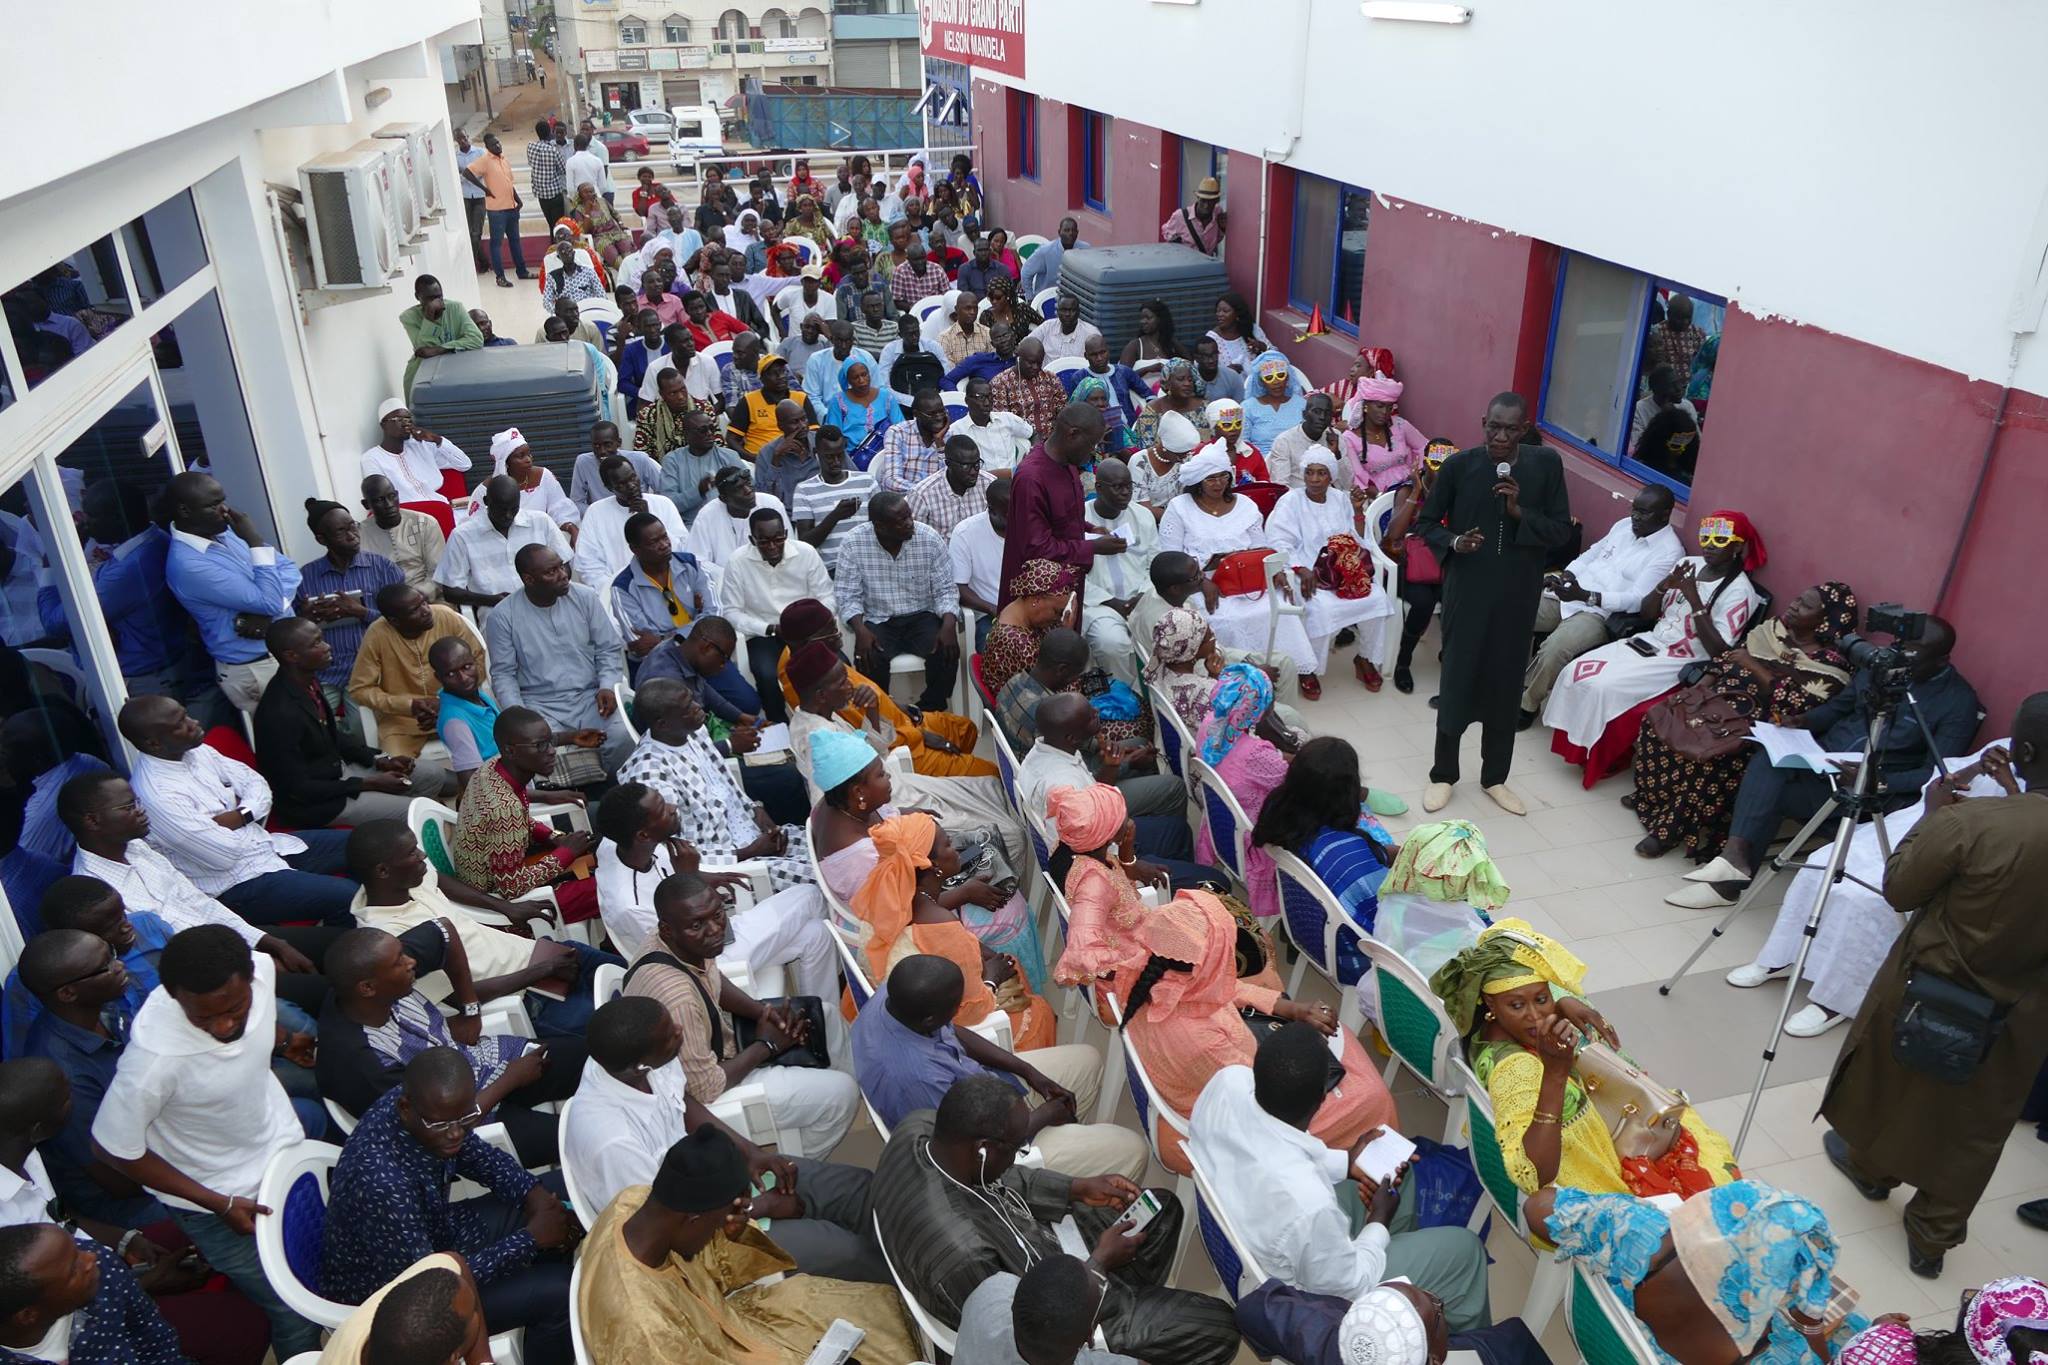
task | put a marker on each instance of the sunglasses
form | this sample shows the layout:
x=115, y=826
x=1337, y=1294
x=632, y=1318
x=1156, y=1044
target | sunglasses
x=1718, y=533
x=1435, y=456
x=1230, y=424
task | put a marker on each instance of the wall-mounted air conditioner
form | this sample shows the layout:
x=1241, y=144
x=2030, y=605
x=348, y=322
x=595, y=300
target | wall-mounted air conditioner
x=403, y=204
x=350, y=219
x=422, y=160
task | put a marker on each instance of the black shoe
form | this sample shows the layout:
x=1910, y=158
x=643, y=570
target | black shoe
x=1404, y=681
x=1346, y=636
x=504, y=283
x=1436, y=703
x=1525, y=720
x=1926, y=1267
x=2034, y=1214
x=1837, y=1152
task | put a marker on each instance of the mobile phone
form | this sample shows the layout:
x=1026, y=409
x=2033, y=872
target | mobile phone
x=1142, y=1211
x=1642, y=647
x=838, y=1344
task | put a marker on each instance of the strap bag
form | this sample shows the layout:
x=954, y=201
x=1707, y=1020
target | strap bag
x=809, y=1054
x=1699, y=724
x=1944, y=1028
x=1641, y=1115
x=1419, y=562
x=1343, y=567
x=1262, y=1024
x=1241, y=574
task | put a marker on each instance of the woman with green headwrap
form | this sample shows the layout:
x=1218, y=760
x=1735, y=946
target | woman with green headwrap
x=1515, y=997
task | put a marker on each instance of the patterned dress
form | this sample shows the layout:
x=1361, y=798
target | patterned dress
x=1689, y=801
x=716, y=815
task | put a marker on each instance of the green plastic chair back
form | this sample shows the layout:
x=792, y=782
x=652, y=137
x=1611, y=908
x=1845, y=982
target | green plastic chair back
x=1601, y=1327
x=1411, y=1027
x=1492, y=1167
x=436, y=851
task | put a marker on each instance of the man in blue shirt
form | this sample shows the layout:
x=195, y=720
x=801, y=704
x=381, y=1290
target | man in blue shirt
x=907, y=1054
x=1042, y=271
x=987, y=364
x=339, y=590
x=388, y=1206
x=638, y=353
x=232, y=583
x=51, y=1280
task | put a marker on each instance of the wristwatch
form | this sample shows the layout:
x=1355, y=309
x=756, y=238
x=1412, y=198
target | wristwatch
x=471, y=1010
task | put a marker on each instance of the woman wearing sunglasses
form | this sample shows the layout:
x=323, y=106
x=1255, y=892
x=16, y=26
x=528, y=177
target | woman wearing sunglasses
x=1699, y=611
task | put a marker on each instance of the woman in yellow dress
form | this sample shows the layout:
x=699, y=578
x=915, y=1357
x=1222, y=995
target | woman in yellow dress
x=1515, y=998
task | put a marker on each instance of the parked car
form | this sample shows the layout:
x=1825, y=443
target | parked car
x=624, y=144
x=653, y=124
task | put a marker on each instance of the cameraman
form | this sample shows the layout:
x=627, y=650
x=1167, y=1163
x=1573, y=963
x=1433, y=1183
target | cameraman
x=1769, y=795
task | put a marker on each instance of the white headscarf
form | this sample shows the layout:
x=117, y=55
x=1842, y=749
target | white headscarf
x=503, y=444
x=1212, y=460
x=1177, y=434
x=1383, y=1328
x=1320, y=457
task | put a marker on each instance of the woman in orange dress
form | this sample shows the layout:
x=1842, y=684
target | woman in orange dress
x=900, y=904
x=1183, y=1017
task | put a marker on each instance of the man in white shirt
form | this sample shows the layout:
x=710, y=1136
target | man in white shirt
x=723, y=524
x=194, y=1114
x=1064, y=335
x=1611, y=579
x=584, y=167
x=476, y=569
x=206, y=815
x=411, y=457
x=601, y=549
x=1286, y=1192
x=632, y=1106
x=604, y=156
x=1003, y=438
x=1116, y=582
x=807, y=299
x=976, y=548
x=701, y=379
x=761, y=578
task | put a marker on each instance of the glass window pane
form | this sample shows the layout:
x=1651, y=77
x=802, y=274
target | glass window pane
x=1315, y=242
x=205, y=394
x=1592, y=356
x=1197, y=160
x=165, y=246
x=65, y=309
x=1357, y=209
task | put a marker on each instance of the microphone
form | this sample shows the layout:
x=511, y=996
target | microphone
x=1502, y=471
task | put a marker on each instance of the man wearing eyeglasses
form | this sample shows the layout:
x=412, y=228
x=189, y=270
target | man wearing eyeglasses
x=1493, y=517
x=388, y=1206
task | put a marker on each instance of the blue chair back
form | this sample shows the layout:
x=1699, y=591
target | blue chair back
x=1229, y=1265
x=1309, y=917
x=1170, y=746
x=1222, y=829
x=305, y=1229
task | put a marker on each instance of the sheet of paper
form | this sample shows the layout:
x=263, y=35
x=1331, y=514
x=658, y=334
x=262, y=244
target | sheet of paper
x=1789, y=748
x=774, y=739
x=1383, y=1156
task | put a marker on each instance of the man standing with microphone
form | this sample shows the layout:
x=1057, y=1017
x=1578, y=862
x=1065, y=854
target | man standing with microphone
x=1493, y=516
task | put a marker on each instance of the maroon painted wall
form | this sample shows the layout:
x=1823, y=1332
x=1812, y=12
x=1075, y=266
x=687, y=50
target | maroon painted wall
x=1137, y=161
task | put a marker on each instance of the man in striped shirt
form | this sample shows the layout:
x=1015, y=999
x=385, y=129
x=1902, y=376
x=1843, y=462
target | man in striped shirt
x=827, y=507
x=546, y=171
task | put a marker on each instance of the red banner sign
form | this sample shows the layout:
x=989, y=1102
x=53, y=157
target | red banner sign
x=984, y=33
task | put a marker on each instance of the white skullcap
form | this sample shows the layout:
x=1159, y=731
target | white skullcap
x=387, y=407
x=1212, y=460
x=1318, y=456
x=1222, y=407
x=504, y=443
x=1177, y=434
x=1383, y=1328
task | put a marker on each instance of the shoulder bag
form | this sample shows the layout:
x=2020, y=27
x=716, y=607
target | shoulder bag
x=809, y=1054
x=1344, y=568
x=1944, y=1029
x=1241, y=574
x=1262, y=1024
x=1641, y=1115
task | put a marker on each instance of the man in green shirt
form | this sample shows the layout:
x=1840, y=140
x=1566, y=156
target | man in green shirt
x=435, y=326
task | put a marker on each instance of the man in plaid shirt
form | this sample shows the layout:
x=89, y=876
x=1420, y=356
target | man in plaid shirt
x=896, y=589
x=913, y=451
x=920, y=277
x=547, y=170
x=945, y=499
x=1029, y=390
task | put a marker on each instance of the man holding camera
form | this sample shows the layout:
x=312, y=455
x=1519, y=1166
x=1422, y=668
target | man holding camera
x=1769, y=795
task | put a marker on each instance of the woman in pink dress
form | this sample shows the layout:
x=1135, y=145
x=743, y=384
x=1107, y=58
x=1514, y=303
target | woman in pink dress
x=1243, y=741
x=1382, y=450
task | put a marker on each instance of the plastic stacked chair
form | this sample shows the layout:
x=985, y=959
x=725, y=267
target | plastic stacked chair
x=936, y=1336
x=1313, y=917
x=1176, y=742
x=1236, y=1270
x=1228, y=824
x=1418, y=1032
x=1046, y=302
x=1547, y=1285
x=1605, y=1332
x=1153, y=1109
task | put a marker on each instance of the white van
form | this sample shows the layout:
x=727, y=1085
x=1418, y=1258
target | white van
x=696, y=134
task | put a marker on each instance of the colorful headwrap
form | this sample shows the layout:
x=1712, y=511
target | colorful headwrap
x=1180, y=367
x=1092, y=387
x=1754, y=556
x=804, y=619
x=1177, y=639
x=1377, y=391
x=1751, y=1250
x=1882, y=1343
x=2002, y=1305
x=1268, y=365
x=1211, y=461
x=1382, y=1328
x=1243, y=694
x=903, y=846
x=1447, y=861
x=1042, y=578
x=1508, y=956
x=1193, y=927
x=838, y=757
x=1221, y=410
x=1838, y=611
x=808, y=664
x=1086, y=817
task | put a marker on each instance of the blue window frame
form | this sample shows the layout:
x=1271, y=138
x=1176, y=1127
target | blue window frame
x=1327, y=268
x=1024, y=134
x=1095, y=160
x=1608, y=331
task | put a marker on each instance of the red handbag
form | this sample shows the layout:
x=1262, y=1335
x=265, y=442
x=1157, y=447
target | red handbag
x=1343, y=567
x=1419, y=562
x=1241, y=574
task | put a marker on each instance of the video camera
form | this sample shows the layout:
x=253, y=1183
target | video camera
x=1889, y=666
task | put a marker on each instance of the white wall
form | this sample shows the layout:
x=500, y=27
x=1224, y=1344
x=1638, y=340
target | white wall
x=1873, y=167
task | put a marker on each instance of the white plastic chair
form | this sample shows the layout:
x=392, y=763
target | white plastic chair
x=1236, y=1269
x=1605, y=1332
x=924, y=309
x=576, y=1343
x=1386, y=575
x=1027, y=244
x=1176, y=741
x=936, y=1336
x=1547, y=1285
x=1066, y=365
x=720, y=353
x=1418, y=1032
x=1045, y=302
x=433, y=824
x=1229, y=826
x=1152, y=1111
x=1311, y=916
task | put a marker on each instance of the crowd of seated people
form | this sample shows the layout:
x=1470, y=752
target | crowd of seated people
x=483, y=812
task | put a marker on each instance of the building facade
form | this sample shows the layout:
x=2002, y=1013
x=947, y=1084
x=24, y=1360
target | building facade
x=172, y=246
x=1514, y=202
x=621, y=55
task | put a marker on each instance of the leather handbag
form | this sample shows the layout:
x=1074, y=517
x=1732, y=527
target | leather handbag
x=1241, y=574
x=1944, y=1029
x=1419, y=562
x=1699, y=724
x=1641, y=1115
x=810, y=1053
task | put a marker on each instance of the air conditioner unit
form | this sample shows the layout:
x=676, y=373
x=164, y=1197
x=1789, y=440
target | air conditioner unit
x=422, y=160
x=403, y=202
x=346, y=197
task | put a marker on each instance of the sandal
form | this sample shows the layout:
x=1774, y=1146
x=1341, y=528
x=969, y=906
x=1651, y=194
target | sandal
x=1367, y=674
x=1629, y=802
x=1311, y=687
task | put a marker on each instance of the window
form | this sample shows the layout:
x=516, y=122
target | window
x=1024, y=134
x=1611, y=327
x=1095, y=160
x=632, y=32
x=66, y=309
x=1199, y=160
x=675, y=29
x=732, y=25
x=1328, y=268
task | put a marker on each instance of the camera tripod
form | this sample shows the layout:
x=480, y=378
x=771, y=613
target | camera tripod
x=1865, y=798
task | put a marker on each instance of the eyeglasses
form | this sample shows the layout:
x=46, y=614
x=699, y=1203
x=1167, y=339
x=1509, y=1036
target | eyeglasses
x=1717, y=533
x=101, y=970
x=451, y=1126
x=669, y=600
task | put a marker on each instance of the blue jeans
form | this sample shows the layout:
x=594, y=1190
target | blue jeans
x=569, y=1018
x=534, y=1296
x=306, y=890
x=301, y=1086
x=732, y=684
x=504, y=224
x=234, y=1256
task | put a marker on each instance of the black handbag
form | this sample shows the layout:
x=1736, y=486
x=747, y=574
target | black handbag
x=1944, y=1029
x=1262, y=1024
x=810, y=1053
